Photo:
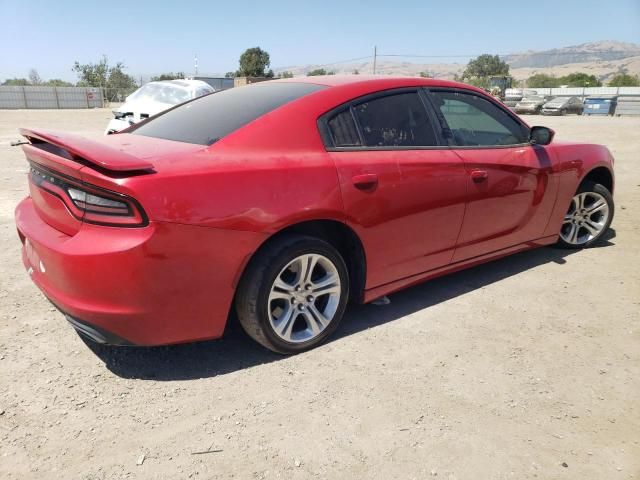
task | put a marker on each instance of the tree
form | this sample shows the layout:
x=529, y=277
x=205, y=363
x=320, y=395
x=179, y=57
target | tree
x=356, y=72
x=16, y=82
x=34, y=78
x=425, y=75
x=480, y=69
x=542, y=80
x=119, y=83
x=92, y=75
x=625, y=80
x=168, y=76
x=113, y=79
x=285, y=74
x=56, y=82
x=253, y=63
x=230, y=75
x=319, y=71
x=580, y=79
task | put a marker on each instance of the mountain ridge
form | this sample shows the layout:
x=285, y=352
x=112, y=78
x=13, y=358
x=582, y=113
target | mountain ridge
x=604, y=59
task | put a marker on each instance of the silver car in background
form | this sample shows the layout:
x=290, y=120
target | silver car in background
x=562, y=106
x=153, y=98
x=515, y=95
x=531, y=104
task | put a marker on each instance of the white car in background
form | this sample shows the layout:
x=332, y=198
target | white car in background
x=155, y=97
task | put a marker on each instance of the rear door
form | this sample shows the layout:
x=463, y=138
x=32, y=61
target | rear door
x=511, y=189
x=403, y=192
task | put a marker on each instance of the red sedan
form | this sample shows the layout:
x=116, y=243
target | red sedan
x=288, y=199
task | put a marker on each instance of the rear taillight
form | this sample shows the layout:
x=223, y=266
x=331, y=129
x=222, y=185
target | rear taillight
x=90, y=203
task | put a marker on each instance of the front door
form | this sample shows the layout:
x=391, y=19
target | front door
x=510, y=186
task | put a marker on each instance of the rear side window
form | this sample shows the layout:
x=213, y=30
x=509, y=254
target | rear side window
x=398, y=120
x=343, y=130
x=471, y=120
x=207, y=119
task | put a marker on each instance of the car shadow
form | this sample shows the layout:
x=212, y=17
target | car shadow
x=235, y=351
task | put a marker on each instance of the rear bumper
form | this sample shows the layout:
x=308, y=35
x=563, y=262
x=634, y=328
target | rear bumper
x=160, y=284
x=97, y=334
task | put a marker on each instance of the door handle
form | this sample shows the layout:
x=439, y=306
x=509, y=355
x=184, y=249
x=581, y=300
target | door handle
x=365, y=181
x=479, y=175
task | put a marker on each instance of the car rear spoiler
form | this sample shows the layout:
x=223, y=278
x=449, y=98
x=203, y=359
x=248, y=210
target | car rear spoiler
x=84, y=150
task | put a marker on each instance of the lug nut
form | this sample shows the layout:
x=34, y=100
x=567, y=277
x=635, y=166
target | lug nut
x=293, y=301
x=301, y=306
x=309, y=299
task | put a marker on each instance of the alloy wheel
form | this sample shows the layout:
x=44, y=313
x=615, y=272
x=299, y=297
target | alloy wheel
x=304, y=298
x=586, y=218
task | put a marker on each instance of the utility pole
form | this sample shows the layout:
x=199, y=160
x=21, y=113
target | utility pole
x=375, y=58
x=196, y=64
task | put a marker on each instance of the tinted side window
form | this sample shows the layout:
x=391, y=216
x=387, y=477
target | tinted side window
x=343, y=130
x=209, y=118
x=470, y=120
x=398, y=120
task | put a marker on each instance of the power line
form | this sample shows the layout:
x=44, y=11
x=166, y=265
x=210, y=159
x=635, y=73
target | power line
x=342, y=61
x=531, y=54
x=377, y=55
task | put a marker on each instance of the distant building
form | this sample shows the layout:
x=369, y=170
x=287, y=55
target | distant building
x=218, y=83
x=242, y=81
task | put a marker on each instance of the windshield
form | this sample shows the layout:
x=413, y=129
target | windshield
x=533, y=99
x=161, y=92
x=209, y=118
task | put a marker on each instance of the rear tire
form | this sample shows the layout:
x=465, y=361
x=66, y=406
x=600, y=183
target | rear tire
x=293, y=294
x=588, y=217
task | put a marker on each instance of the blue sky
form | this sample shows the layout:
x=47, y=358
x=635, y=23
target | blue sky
x=157, y=36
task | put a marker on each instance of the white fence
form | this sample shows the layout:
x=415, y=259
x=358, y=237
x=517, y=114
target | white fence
x=13, y=97
x=586, y=91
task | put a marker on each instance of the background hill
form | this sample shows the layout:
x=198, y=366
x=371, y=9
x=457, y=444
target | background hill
x=606, y=50
x=603, y=59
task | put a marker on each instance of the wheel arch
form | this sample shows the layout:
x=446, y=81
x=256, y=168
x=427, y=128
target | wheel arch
x=340, y=236
x=601, y=175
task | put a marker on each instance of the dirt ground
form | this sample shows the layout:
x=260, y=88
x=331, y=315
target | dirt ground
x=527, y=367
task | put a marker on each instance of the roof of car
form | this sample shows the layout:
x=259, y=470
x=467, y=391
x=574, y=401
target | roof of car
x=339, y=80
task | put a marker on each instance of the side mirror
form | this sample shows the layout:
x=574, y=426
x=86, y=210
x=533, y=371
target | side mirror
x=541, y=136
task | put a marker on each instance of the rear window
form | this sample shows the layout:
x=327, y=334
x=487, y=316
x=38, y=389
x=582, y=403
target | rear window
x=343, y=130
x=398, y=120
x=206, y=120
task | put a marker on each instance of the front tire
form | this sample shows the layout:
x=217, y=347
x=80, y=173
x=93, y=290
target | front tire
x=293, y=294
x=588, y=218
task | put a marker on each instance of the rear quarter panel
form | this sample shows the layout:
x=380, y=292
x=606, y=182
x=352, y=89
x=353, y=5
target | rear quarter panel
x=256, y=191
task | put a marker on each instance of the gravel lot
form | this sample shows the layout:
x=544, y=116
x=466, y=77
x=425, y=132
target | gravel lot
x=527, y=367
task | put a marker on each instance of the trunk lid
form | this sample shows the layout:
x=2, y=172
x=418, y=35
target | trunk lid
x=86, y=151
x=62, y=162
